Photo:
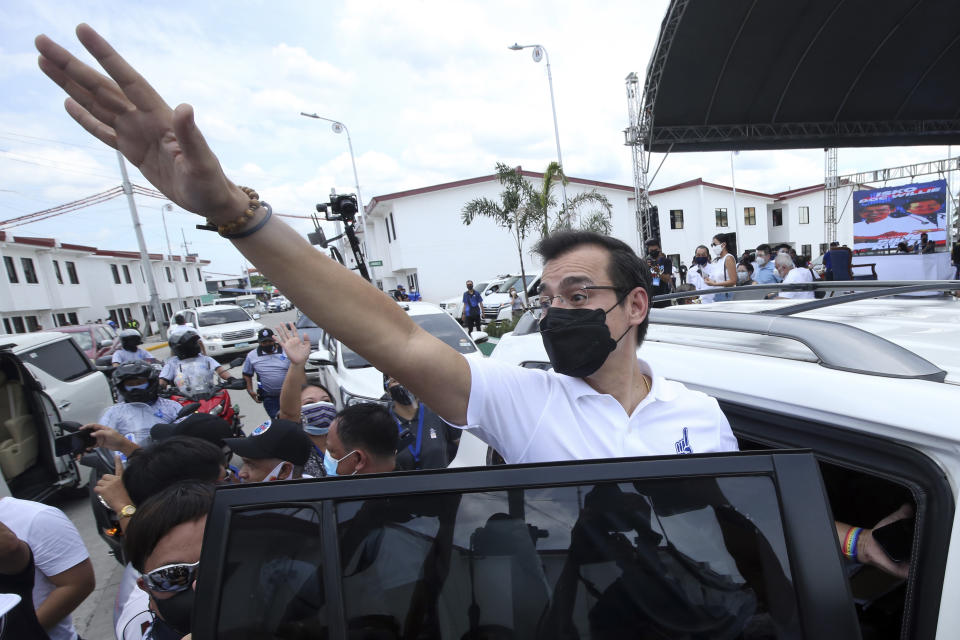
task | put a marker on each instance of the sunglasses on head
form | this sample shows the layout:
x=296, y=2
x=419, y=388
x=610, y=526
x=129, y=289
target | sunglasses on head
x=172, y=578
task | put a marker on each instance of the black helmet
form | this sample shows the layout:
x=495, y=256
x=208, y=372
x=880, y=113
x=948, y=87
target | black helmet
x=185, y=344
x=132, y=370
x=130, y=339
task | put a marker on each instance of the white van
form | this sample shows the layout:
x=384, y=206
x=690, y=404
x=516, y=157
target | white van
x=250, y=303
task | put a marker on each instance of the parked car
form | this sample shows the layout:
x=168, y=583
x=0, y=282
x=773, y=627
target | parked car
x=351, y=379
x=279, y=303
x=95, y=340
x=224, y=328
x=44, y=379
x=497, y=298
x=454, y=306
x=250, y=303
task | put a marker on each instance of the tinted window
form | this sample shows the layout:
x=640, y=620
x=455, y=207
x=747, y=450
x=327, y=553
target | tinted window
x=61, y=359
x=672, y=558
x=439, y=325
x=83, y=339
x=223, y=316
x=273, y=590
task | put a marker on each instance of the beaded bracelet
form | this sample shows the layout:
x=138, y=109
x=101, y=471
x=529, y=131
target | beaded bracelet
x=244, y=218
x=252, y=230
x=850, y=542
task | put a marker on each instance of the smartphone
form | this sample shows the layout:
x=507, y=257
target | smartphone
x=896, y=539
x=74, y=443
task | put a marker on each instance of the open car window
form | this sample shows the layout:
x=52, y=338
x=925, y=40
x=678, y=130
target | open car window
x=714, y=547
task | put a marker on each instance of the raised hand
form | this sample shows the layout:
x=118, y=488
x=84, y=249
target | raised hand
x=127, y=114
x=296, y=347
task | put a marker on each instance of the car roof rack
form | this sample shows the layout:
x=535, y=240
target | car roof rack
x=896, y=287
x=836, y=346
x=880, y=289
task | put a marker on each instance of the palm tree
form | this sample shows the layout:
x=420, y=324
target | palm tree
x=597, y=220
x=510, y=213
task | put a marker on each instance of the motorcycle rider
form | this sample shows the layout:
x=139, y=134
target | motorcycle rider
x=138, y=385
x=129, y=351
x=189, y=369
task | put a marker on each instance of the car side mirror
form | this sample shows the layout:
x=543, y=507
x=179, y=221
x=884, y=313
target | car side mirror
x=321, y=358
x=104, y=344
x=256, y=316
x=479, y=336
x=236, y=362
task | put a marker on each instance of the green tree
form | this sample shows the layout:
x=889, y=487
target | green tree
x=539, y=202
x=511, y=213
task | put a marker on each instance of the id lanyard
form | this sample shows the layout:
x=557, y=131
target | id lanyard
x=415, y=452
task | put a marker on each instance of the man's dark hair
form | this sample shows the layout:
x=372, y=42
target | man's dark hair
x=764, y=247
x=180, y=318
x=626, y=269
x=368, y=426
x=173, y=460
x=652, y=242
x=729, y=239
x=173, y=506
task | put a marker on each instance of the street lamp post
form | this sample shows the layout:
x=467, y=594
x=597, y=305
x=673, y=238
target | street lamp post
x=540, y=52
x=176, y=283
x=339, y=127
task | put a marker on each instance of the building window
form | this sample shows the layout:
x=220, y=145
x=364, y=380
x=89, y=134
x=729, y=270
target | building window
x=393, y=227
x=11, y=269
x=805, y=250
x=413, y=283
x=29, y=273
x=169, y=274
x=116, y=273
x=18, y=325
x=721, y=216
x=32, y=324
x=824, y=247
x=6, y=325
x=676, y=218
x=778, y=217
x=167, y=311
x=387, y=227
x=126, y=274
x=56, y=272
x=73, y=318
x=749, y=215
x=72, y=273
x=804, y=215
x=186, y=278
x=199, y=275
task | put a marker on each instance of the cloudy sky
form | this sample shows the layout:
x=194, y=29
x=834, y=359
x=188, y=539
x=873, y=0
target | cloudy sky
x=429, y=91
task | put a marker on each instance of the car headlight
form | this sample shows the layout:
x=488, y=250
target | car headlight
x=349, y=399
x=211, y=336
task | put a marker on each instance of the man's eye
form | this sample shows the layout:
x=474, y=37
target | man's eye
x=577, y=298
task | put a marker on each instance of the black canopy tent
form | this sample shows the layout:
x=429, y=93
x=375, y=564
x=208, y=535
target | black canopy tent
x=777, y=74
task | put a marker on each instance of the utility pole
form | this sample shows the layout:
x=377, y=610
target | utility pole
x=176, y=282
x=186, y=250
x=144, y=256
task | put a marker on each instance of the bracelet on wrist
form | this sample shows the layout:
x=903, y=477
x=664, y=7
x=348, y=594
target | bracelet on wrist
x=243, y=219
x=252, y=230
x=850, y=543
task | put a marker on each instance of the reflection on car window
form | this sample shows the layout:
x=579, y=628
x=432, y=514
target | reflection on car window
x=439, y=325
x=223, y=316
x=303, y=322
x=688, y=558
x=273, y=590
x=83, y=339
x=61, y=359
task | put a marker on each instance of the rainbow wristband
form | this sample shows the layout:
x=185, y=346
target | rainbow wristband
x=850, y=542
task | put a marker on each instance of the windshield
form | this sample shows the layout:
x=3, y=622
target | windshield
x=439, y=325
x=83, y=339
x=223, y=316
x=247, y=304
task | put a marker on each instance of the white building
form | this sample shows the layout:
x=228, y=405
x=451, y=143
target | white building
x=419, y=237
x=47, y=283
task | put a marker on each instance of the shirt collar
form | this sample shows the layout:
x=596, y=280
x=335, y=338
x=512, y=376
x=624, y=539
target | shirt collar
x=581, y=389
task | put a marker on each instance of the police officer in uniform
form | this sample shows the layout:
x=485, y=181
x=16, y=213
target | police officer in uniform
x=270, y=364
x=426, y=441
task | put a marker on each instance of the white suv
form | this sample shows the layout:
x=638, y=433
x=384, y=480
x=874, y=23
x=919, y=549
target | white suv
x=351, y=379
x=224, y=328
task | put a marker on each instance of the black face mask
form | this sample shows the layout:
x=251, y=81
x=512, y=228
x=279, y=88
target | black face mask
x=400, y=395
x=654, y=253
x=268, y=349
x=577, y=341
x=177, y=611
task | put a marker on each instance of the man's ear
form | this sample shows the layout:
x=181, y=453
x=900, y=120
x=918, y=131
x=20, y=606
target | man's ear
x=363, y=461
x=638, y=305
x=142, y=585
x=286, y=471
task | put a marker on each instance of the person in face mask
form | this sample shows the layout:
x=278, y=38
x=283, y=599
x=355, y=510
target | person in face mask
x=187, y=360
x=140, y=408
x=163, y=542
x=764, y=272
x=723, y=269
x=744, y=274
x=426, y=441
x=698, y=271
x=130, y=341
x=661, y=271
x=270, y=364
x=362, y=439
x=275, y=450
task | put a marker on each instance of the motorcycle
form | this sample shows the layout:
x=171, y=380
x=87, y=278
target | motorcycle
x=207, y=397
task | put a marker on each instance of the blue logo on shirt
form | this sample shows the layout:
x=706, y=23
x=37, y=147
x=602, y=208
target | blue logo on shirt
x=683, y=444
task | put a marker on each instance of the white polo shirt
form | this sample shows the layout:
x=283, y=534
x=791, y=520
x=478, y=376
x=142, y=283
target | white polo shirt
x=798, y=275
x=529, y=415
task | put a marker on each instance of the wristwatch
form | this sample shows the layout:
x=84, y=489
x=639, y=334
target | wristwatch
x=128, y=511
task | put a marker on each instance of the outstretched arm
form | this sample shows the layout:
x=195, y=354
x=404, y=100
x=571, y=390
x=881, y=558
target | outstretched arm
x=127, y=114
x=297, y=350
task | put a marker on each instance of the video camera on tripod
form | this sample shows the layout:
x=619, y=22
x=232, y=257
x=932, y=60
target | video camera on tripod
x=343, y=209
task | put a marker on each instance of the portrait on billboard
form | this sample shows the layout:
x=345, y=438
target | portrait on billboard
x=891, y=216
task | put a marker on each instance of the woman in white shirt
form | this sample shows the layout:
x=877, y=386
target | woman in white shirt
x=723, y=270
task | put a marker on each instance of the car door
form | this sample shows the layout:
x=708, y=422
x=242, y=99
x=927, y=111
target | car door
x=79, y=392
x=723, y=546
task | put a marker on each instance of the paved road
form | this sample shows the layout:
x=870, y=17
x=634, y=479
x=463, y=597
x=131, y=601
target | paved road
x=94, y=618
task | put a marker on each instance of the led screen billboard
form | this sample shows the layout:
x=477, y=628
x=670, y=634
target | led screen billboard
x=885, y=218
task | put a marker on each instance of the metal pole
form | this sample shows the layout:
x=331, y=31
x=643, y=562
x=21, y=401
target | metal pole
x=556, y=130
x=144, y=256
x=176, y=283
x=733, y=181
